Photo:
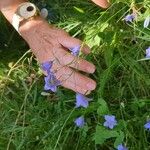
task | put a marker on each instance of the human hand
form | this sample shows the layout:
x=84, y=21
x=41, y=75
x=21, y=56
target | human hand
x=49, y=43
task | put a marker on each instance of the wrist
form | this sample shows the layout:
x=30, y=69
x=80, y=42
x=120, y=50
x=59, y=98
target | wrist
x=29, y=28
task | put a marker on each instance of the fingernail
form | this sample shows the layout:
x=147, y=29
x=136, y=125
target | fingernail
x=91, y=69
x=88, y=92
x=91, y=86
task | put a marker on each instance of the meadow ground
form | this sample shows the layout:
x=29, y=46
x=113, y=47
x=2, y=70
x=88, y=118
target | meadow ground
x=31, y=121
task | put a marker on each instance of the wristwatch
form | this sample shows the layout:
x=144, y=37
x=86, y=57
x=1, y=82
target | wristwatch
x=25, y=11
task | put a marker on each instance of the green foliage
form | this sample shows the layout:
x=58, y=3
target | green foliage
x=102, y=108
x=31, y=120
x=102, y=134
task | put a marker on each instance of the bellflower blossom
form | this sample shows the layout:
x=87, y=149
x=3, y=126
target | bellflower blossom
x=47, y=66
x=147, y=125
x=51, y=82
x=79, y=122
x=121, y=147
x=75, y=51
x=146, y=22
x=81, y=101
x=110, y=121
x=130, y=17
x=148, y=52
x=44, y=13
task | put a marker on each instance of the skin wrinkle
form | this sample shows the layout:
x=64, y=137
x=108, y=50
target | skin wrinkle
x=68, y=75
x=62, y=78
x=37, y=51
x=68, y=64
x=62, y=57
x=40, y=40
x=49, y=42
x=83, y=47
x=73, y=76
x=73, y=61
x=74, y=85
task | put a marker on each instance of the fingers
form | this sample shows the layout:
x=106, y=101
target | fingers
x=71, y=42
x=102, y=3
x=78, y=63
x=74, y=80
x=75, y=88
x=66, y=59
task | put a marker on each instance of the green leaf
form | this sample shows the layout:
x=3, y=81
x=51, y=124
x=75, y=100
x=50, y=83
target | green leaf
x=121, y=125
x=103, y=108
x=79, y=9
x=119, y=139
x=103, y=26
x=102, y=134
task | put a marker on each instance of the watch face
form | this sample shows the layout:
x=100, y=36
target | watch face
x=26, y=10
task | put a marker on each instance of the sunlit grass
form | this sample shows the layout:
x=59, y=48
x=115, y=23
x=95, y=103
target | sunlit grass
x=30, y=120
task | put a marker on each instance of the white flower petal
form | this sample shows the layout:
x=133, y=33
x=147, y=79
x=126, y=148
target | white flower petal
x=44, y=13
x=146, y=22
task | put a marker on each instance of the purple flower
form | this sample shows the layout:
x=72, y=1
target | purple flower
x=75, y=51
x=147, y=125
x=81, y=101
x=51, y=82
x=148, y=52
x=146, y=22
x=129, y=18
x=121, y=147
x=44, y=13
x=47, y=66
x=79, y=122
x=110, y=121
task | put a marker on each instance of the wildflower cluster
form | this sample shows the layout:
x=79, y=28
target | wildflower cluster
x=51, y=83
x=130, y=18
x=81, y=101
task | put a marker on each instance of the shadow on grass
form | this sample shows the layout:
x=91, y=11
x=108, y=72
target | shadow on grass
x=12, y=46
